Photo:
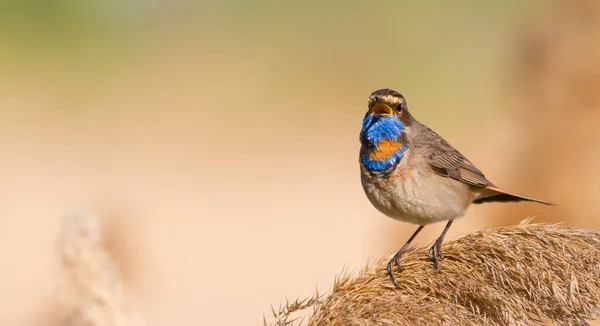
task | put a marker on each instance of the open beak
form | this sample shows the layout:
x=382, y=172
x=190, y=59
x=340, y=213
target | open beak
x=381, y=109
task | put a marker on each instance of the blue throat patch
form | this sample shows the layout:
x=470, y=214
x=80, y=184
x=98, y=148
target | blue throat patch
x=375, y=130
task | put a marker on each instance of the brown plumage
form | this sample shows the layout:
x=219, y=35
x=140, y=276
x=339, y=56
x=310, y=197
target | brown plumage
x=423, y=181
x=446, y=161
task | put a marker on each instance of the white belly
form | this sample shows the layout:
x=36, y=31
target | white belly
x=420, y=197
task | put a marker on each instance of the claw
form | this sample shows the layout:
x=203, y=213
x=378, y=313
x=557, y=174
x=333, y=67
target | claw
x=435, y=254
x=398, y=255
x=390, y=269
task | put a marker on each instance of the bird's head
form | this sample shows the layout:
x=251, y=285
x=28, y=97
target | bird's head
x=387, y=103
x=386, y=118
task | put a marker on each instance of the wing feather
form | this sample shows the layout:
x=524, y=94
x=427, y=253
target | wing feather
x=446, y=161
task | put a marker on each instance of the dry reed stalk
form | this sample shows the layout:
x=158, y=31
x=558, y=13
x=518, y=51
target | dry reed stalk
x=525, y=274
x=90, y=292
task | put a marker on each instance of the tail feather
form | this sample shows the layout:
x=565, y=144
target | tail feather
x=499, y=195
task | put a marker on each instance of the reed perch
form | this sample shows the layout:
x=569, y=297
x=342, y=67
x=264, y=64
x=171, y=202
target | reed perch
x=525, y=274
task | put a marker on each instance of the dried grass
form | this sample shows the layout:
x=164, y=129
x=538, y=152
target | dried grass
x=520, y=275
x=90, y=292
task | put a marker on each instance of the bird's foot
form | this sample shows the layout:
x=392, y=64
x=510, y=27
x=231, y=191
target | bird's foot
x=390, y=268
x=435, y=254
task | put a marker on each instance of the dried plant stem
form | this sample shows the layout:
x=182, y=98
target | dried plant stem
x=519, y=275
x=90, y=292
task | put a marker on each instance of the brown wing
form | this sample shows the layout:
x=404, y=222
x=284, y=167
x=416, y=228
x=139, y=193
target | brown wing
x=446, y=161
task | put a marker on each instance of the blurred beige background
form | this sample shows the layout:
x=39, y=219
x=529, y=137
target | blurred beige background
x=218, y=141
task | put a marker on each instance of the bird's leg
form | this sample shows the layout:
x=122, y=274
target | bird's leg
x=435, y=253
x=398, y=255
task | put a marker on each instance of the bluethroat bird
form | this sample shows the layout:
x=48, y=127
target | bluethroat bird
x=411, y=174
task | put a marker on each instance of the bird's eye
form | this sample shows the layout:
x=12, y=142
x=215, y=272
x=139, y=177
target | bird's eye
x=399, y=107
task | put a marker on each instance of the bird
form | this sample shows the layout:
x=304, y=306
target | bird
x=410, y=173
